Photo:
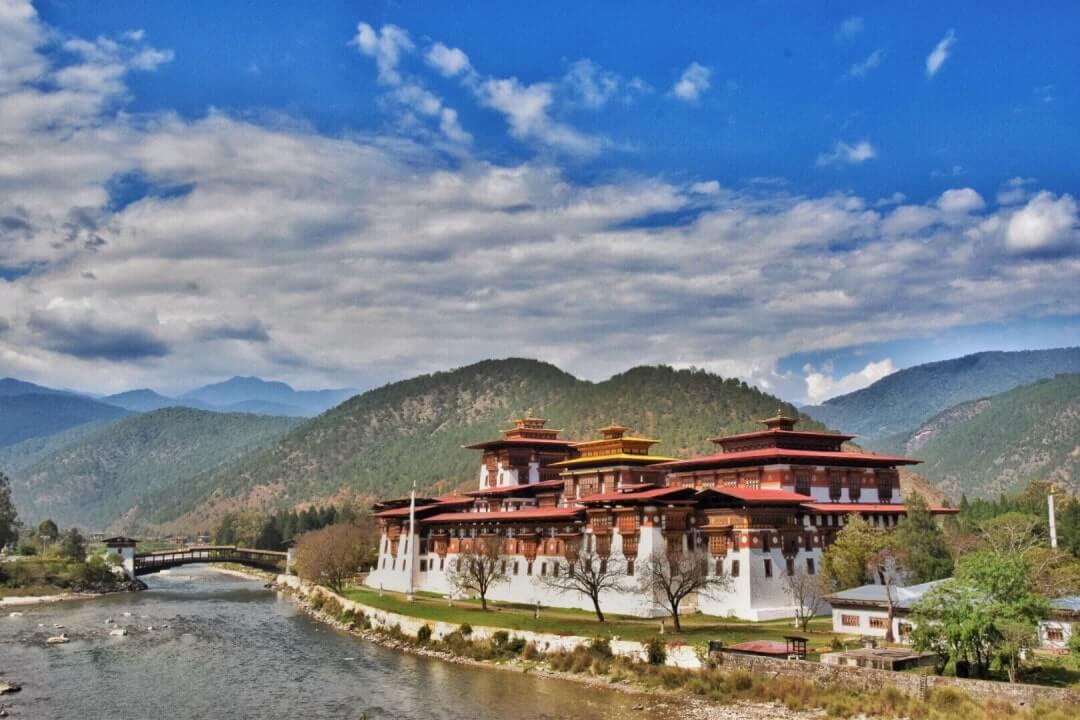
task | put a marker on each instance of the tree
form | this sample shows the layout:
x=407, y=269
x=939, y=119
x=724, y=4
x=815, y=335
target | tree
x=588, y=574
x=847, y=562
x=669, y=577
x=887, y=564
x=1069, y=527
x=807, y=592
x=9, y=519
x=47, y=531
x=990, y=609
x=73, y=545
x=926, y=554
x=332, y=555
x=1013, y=532
x=478, y=569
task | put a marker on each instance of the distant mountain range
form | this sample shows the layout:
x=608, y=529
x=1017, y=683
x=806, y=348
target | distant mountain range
x=901, y=402
x=997, y=444
x=34, y=414
x=94, y=474
x=238, y=394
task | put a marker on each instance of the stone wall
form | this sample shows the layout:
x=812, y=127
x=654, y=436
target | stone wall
x=908, y=683
x=686, y=656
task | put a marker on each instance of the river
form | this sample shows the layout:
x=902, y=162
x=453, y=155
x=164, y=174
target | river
x=222, y=646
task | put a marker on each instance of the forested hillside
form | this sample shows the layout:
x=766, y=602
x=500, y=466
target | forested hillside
x=378, y=443
x=995, y=445
x=904, y=400
x=91, y=476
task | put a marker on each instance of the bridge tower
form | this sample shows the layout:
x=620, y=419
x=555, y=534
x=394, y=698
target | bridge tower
x=124, y=547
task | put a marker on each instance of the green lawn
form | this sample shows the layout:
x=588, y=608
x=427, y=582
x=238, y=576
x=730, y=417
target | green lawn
x=697, y=628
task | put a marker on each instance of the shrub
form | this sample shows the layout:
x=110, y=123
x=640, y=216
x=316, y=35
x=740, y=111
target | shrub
x=331, y=607
x=601, y=646
x=424, y=634
x=465, y=629
x=500, y=637
x=514, y=645
x=656, y=651
x=395, y=632
x=531, y=652
x=317, y=601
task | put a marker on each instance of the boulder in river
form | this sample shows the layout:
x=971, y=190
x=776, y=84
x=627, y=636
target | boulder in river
x=118, y=632
x=58, y=639
x=9, y=687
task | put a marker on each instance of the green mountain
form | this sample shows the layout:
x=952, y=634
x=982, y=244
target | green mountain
x=93, y=476
x=902, y=401
x=23, y=417
x=376, y=444
x=995, y=445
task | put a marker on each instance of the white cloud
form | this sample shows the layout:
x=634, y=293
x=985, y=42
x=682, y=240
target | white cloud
x=1014, y=191
x=448, y=61
x=591, y=84
x=693, y=82
x=863, y=67
x=1046, y=223
x=843, y=153
x=849, y=28
x=940, y=54
x=821, y=386
x=386, y=45
x=960, y=200
x=527, y=107
x=708, y=187
x=362, y=258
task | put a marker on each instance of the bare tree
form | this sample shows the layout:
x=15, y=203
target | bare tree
x=669, y=577
x=1013, y=532
x=332, y=555
x=807, y=592
x=588, y=574
x=887, y=565
x=478, y=569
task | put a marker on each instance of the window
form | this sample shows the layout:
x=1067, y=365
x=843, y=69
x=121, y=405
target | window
x=790, y=566
x=802, y=482
x=423, y=565
x=528, y=568
x=630, y=567
x=543, y=569
x=503, y=569
x=879, y=623
x=515, y=567
x=849, y=620
x=555, y=569
x=734, y=568
x=765, y=542
x=441, y=562
x=603, y=565
x=768, y=568
x=854, y=486
x=809, y=566
x=1054, y=634
x=836, y=484
x=905, y=630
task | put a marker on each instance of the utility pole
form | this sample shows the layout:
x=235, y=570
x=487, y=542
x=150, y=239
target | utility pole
x=410, y=556
x=1053, y=522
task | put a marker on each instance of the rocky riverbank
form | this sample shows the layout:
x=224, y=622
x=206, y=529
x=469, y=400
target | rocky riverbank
x=79, y=591
x=658, y=703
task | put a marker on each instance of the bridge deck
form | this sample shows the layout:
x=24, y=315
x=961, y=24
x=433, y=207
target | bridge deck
x=265, y=559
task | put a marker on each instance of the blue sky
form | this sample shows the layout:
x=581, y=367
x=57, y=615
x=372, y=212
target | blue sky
x=805, y=195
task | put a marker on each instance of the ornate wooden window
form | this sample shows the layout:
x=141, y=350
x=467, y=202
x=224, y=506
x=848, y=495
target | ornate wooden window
x=603, y=545
x=849, y=620
x=854, y=486
x=885, y=483
x=629, y=545
x=734, y=568
x=729, y=479
x=718, y=545
x=803, y=480
x=836, y=485
x=879, y=623
x=1055, y=634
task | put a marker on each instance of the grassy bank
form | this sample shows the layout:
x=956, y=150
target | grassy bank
x=596, y=663
x=697, y=628
x=36, y=576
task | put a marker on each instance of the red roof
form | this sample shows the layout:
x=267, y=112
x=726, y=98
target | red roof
x=441, y=502
x=744, y=457
x=511, y=489
x=846, y=508
x=759, y=647
x=531, y=514
x=634, y=496
x=760, y=495
x=782, y=433
x=524, y=442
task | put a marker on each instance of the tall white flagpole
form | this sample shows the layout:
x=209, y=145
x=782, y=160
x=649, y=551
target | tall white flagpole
x=411, y=555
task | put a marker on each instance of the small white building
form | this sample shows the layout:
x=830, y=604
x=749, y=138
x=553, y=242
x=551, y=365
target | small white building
x=865, y=610
x=1057, y=628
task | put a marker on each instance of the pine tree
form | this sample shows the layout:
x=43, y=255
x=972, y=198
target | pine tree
x=926, y=554
x=9, y=519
